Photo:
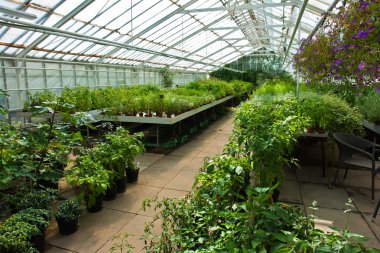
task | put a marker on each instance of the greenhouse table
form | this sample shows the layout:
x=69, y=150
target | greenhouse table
x=322, y=138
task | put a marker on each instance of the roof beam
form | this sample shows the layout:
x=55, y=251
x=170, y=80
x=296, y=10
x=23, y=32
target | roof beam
x=17, y=13
x=203, y=47
x=240, y=7
x=59, y=32
x=246, y=26
x=191, y=35
x=60, y=23
x=322, y=20
x=300, y=14
x=155, y=24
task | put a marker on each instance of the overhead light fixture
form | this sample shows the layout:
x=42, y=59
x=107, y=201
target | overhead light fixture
x=17, y=13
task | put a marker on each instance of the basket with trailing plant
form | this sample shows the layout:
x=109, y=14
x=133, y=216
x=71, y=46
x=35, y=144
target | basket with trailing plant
x=68, y=214
x=92, y=179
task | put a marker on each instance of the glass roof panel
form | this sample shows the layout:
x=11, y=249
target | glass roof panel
x=158, y=30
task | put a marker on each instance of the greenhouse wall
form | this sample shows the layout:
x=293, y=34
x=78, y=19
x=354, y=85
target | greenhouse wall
x=19, y=78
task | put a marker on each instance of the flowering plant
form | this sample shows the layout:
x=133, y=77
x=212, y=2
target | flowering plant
x=349, y=49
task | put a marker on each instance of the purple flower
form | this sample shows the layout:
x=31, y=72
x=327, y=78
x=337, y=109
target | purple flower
x=361, y=65
x=353, y=46
x=363, y=5
x=371, y=28
x=377, y=89
x=338, y=61
x=362, y=34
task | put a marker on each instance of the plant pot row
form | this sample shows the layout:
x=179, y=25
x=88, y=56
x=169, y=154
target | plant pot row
x=119, y=186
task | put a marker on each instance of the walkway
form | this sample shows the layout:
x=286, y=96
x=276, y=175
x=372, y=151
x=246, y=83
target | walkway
x=172, y=176
x=169, y=175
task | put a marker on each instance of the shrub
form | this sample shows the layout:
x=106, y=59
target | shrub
x=369, y=106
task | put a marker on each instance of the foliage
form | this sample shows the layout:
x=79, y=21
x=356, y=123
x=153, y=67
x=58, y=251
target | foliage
x=204, y=222
x=89, y=175
x=369, y=106
x=69, y=209
x=331, y=113
x=120, y=242
x=120, y=147
x=348, y=50
x=15, y=237
x=37, y=217
x=130, y=100
x=17, y=231
x=39, y=199
x=39, y=98
x=265, y=133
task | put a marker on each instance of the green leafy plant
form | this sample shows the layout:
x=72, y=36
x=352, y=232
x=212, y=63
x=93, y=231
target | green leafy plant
x=15, y=237
x=121, y=244
x=331, y=113
x=69, y=209
x=265, y=133
x=369, y=106
x=90, y=176
x=38, y=199
x=37, y=217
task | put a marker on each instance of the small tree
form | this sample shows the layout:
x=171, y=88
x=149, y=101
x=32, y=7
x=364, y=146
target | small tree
x=167, y=75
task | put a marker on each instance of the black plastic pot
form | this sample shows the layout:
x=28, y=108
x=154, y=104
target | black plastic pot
x=67, y=227
x=38, y=241
x=132, y=176
x=275, y=195
x=121, y=184
x=97, y=206
x=111, y=192
x=44, y=184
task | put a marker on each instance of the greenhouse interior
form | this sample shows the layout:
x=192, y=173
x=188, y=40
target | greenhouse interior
x=189, y=126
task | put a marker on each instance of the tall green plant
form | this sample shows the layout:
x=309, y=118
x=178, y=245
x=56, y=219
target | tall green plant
x=265, y=133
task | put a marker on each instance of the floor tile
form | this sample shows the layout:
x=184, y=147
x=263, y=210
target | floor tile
x=183, y=181
x=157, y=176
x=326, y=197
x=147, y=158
x=186, y=151
x=164, y=193
x=131, y=200
x=195, y=164
x=312, y=174
x=52, y=249
x=174, y=162
x=356, y=223
x=358, y=178
x=94, y=231
x=290, y=192
x=362, y=198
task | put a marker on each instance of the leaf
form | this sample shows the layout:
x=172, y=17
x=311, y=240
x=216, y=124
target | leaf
x=239, y=170
x=281, y=237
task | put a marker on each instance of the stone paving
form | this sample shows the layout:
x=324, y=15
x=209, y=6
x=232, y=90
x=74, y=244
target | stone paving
x=172, y=175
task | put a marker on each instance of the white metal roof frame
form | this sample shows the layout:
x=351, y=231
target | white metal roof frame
x=189, y=34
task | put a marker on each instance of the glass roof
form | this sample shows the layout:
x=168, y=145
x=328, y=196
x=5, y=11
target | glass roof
x=195, y=35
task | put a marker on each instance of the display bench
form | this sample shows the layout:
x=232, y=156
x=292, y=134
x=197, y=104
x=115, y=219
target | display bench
x=163, y=132
x=167, y=132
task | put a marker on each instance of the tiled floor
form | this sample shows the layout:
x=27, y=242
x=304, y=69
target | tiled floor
x=173, y=175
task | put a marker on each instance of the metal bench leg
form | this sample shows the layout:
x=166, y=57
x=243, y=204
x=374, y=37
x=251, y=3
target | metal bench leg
x=345, y=173
x=376, y=209
x=373, y=185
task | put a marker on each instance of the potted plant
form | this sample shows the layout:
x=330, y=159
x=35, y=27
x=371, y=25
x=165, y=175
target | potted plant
x=36, y=198
x=132, y=172
x=121, y=147
x=38, y=218
x=67, y=215
x=92, y=178
x=15, y=236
